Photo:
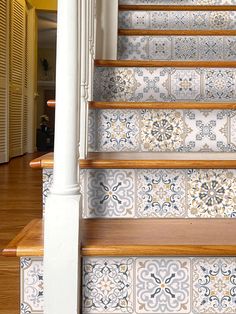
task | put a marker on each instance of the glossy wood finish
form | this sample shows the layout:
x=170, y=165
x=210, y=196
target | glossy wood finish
x=51, y=103
x=20, y=202
x=155, y=105
x=140, y=7
x=160, y=105
x=140, y=237
x=148, y=160
x=156, y=64
x=187, y=32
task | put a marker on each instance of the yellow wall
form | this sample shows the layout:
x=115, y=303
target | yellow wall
x=45, y=5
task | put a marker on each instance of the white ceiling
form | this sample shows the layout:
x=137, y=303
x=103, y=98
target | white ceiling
x=47, y=27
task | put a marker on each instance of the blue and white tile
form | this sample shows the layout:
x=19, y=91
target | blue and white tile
x=31, y=274
x=176, y=48
x=177, y=20
x=108, y=285
x=161, y=193
x=185, y=84
x=162, y=285
x=162, y=130
x=214, y=285
x=117, y=130
x=206, y=130
x=155, y=193
x=211, y=193
x=110, y=193
x=168, y=84
x=219, y=84
x=147, y=285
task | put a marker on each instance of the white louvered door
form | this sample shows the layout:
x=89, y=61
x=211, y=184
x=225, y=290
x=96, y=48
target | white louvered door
x=4, y=46
x=17, y=78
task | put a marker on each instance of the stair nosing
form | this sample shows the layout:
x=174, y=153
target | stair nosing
x=166, y=7
x=174, y=32
x=161, y=64
x=109, y=237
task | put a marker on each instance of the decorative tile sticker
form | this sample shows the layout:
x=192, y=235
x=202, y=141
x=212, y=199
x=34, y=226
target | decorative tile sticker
x=110, y=193
x=211, y=193
x=165, y=130
x=177, y=20
x=164, y=84
x=177, y=48
x=31, y=285
x=158, y=193
x=108, y=285
x=214, y=285
x=161, y=193
x=162, y=285
x=146, y=285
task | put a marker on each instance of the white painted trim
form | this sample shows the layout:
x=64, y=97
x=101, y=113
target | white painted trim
x=107, y=29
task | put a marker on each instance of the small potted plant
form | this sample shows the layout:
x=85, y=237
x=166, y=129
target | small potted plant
x=44, y=120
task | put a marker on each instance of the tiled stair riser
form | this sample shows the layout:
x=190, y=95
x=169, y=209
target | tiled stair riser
x=152, y=130
x=143, y=285
x=164, y=84
x=179, y=2
x=177, y=48
x=177, y=20
x=155, y=193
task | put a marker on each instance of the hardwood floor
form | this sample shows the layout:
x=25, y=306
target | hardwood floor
x=20, y=202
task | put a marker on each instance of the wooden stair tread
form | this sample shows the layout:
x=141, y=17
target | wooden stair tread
x=51, y=103
x=156, y=7
x=136, y=160
x=146, y=64
x=175, y=32
x=155, y=105
x=139, y=237
x=161, y=105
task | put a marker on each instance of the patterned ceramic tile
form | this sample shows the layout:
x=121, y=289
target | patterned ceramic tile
x=108, y=285
x=220, y=84
x=211, y=193
x=163, y=285
x=185, y=84
x=168, y=84
x=117, y=129
x=110, y=193
x=164, y=130
x=179, y=2
x=177, y=20
x=31, y=285
x=176, y=48
x=143, y=193
x=214, y=285
x=145, y=285
x=161, y=193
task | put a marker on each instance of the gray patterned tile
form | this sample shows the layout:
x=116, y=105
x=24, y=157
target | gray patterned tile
x=150, y=193
x=178, y=20
x=214, y=285
x=168, y=84
x=147, y=285
x=31, y=285
x=163, y=285
x=161, y=193
x=108, y=285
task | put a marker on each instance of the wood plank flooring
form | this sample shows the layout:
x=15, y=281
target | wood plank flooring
x=20, y=202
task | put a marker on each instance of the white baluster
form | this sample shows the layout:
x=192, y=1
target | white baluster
x=62, y=217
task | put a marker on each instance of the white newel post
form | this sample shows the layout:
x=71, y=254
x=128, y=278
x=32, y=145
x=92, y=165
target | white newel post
x=62, y=216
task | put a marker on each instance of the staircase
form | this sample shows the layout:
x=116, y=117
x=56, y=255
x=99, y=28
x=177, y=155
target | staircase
x=162, y=143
